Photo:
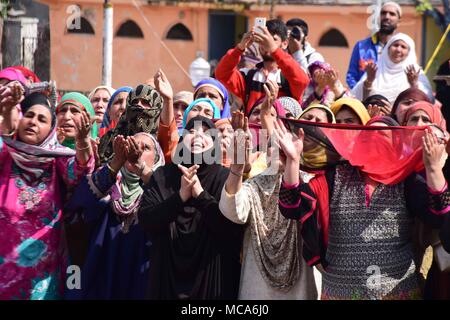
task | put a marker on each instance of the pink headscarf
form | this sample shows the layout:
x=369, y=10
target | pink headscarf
x=13, y=74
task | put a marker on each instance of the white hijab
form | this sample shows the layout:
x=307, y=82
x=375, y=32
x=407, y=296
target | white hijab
x=390, y=79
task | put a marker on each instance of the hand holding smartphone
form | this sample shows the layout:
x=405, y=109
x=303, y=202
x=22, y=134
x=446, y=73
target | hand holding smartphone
x=259, y=22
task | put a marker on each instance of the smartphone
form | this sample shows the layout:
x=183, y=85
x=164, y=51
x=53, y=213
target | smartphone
x=259, y=22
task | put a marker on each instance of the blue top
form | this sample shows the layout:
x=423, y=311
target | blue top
x=363, y=51
x=117, y=263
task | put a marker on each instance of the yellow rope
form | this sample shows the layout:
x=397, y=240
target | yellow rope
x=438, y=48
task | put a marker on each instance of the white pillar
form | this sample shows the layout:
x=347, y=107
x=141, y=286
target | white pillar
x=107, y=43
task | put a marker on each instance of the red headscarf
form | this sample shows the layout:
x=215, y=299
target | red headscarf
x=431, y=110
x=30, y=75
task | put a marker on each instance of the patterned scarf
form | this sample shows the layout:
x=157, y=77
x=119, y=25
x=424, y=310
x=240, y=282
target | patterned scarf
x=36, y=160
x=126, y=194
x=274, y=238
x=135, y=119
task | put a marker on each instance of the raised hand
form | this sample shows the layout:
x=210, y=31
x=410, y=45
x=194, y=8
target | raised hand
x=11, y=95
x=432, y=151
x=271, y=89
x=291, y=144
x=320, y=79
x=83, y=127
x=120, y=147
x=60, y=135
x=135, y=151
x=371, y=70
x=265, y=40
x=412, y=74
x=163, y=85
x=374, y=110
x=246, y=41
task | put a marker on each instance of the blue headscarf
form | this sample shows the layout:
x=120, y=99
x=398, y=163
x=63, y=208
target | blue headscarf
x=195, y=102
x=106, y=120
x=211, y=82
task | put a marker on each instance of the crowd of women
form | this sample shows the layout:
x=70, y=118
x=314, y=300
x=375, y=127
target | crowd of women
x=121, y=184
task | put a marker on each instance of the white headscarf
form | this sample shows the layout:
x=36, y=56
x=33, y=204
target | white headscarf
x=390, y=79
x=109, y=89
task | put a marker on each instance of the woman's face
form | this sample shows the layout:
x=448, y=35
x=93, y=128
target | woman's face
x=398, y=51
x=315, y=115
x=211, y=93
x=347, y=116
x=178, y=108
x=225, y=135
x=202, y=109
x=99, y=102
x=198, y=140
x=149, y=154
x=418, y=118
x=255, y=116
x=35, y=125
x=66, y=117
x=118, y=106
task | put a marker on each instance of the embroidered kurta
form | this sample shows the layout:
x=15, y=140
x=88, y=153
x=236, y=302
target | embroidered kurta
x=32, y=264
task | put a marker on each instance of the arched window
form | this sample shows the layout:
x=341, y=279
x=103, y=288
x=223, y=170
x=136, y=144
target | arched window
x=333, y=38
x=129, y=29
x=179, y=32
x=80, y=25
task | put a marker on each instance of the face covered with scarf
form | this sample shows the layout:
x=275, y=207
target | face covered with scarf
x=314, y=155
x=68, y=111
x=144, y=105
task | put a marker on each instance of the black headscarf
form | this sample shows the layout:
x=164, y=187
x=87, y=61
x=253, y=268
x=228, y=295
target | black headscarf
x=211, y=156
x=376, y=99
x=40, y=99
x=135, y=119
x=195, y=249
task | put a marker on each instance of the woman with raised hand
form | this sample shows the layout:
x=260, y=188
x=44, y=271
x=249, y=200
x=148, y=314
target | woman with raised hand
x=396, y=71
x=117, y=260
x=195, y=249
x=359, y=229
x=35, y=171
x=272, y=266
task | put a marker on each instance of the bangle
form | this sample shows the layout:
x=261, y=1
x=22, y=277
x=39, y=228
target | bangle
x=111, y=169
x=9, y=134
x=83, y=148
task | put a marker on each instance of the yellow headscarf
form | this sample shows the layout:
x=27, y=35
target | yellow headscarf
x=316, y=158
x=355, y=105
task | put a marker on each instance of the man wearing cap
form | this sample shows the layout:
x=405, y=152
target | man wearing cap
x=369, y=49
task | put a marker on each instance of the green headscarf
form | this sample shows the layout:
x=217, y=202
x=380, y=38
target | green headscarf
x=83, y=103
